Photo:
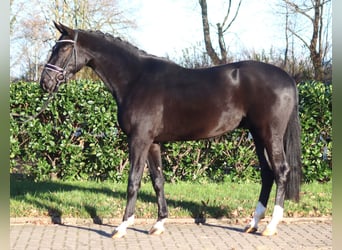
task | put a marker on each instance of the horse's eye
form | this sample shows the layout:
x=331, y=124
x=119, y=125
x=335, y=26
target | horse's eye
x=65, y=48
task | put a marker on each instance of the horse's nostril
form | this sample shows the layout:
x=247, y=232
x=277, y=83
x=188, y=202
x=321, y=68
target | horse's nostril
x=46, y=85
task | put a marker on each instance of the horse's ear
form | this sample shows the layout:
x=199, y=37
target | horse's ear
x=59, y=27
x=64, y=29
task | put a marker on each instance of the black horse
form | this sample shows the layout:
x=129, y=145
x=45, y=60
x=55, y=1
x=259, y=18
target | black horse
x=160, y=101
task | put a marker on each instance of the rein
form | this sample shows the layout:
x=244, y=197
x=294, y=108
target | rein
x=60, y=77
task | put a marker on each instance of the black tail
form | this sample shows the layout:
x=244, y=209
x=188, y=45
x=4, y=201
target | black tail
x=292, y=146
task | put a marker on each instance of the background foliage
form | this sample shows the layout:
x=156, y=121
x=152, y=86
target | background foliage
x=77, y=138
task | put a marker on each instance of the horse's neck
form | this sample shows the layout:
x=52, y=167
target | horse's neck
x=116, y=70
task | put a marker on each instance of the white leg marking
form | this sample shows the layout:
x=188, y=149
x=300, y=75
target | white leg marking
x=158, y=227
x=277, y=216
x=259, y=213
x=121, y=230
x=130, y=220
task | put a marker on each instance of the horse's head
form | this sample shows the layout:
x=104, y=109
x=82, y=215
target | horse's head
x=64, y=61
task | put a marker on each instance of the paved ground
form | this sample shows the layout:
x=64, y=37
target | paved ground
x=315, y=234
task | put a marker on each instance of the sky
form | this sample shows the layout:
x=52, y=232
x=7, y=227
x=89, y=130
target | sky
x=168, y=26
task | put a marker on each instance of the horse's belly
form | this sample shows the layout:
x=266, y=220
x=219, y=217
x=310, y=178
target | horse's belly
x=227, y=122
x=201, y=127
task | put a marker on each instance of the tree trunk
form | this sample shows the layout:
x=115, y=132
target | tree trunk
x=316, y=52
x=206, y=31
x=222, y=44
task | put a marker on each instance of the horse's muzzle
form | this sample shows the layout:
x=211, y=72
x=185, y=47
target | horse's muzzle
x=47, y=84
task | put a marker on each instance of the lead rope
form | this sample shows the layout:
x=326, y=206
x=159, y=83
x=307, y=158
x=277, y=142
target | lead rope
x=32, y=117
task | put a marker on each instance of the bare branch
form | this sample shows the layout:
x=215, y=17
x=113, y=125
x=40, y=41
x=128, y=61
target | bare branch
x=295, y=8
x=233, y=19
x=299, y=37
x=315, y=14
x=228, y=12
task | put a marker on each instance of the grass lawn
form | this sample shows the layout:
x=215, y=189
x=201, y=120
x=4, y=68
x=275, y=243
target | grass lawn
x=185, y=200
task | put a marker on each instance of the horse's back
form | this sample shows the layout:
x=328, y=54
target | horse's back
x=262, y=74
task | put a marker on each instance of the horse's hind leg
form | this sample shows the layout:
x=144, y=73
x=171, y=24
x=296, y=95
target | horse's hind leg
x=281, y=170
x=157, y=177
x=273, y=168
x=267, y=179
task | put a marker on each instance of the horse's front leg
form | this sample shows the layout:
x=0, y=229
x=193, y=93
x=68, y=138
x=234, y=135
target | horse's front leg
x=156, y=173
x=138, y=150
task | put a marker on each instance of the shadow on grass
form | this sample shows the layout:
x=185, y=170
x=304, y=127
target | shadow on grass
x=33, y=192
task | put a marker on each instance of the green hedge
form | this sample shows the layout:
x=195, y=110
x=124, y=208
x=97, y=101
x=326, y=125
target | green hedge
x=77, y=137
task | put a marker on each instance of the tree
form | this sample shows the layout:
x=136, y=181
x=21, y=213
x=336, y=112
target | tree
x=32, y=25
x=90, y=14
x=318, y=44
x=13, y=17
x=222, y=28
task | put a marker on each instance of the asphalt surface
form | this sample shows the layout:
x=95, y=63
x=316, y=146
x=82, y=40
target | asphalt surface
x=214, y=234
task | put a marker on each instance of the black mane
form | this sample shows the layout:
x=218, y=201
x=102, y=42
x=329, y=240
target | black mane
x=123, y=44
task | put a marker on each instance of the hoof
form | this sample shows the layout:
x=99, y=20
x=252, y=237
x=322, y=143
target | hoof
x=269, y=232
x=118, y=234
x=156, y=231
x=157, y=228
x=249, y=229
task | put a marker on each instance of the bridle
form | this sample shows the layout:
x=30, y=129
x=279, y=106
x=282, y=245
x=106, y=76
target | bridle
x=61, y=75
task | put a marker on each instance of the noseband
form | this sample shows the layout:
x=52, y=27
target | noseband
x=61, y=75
